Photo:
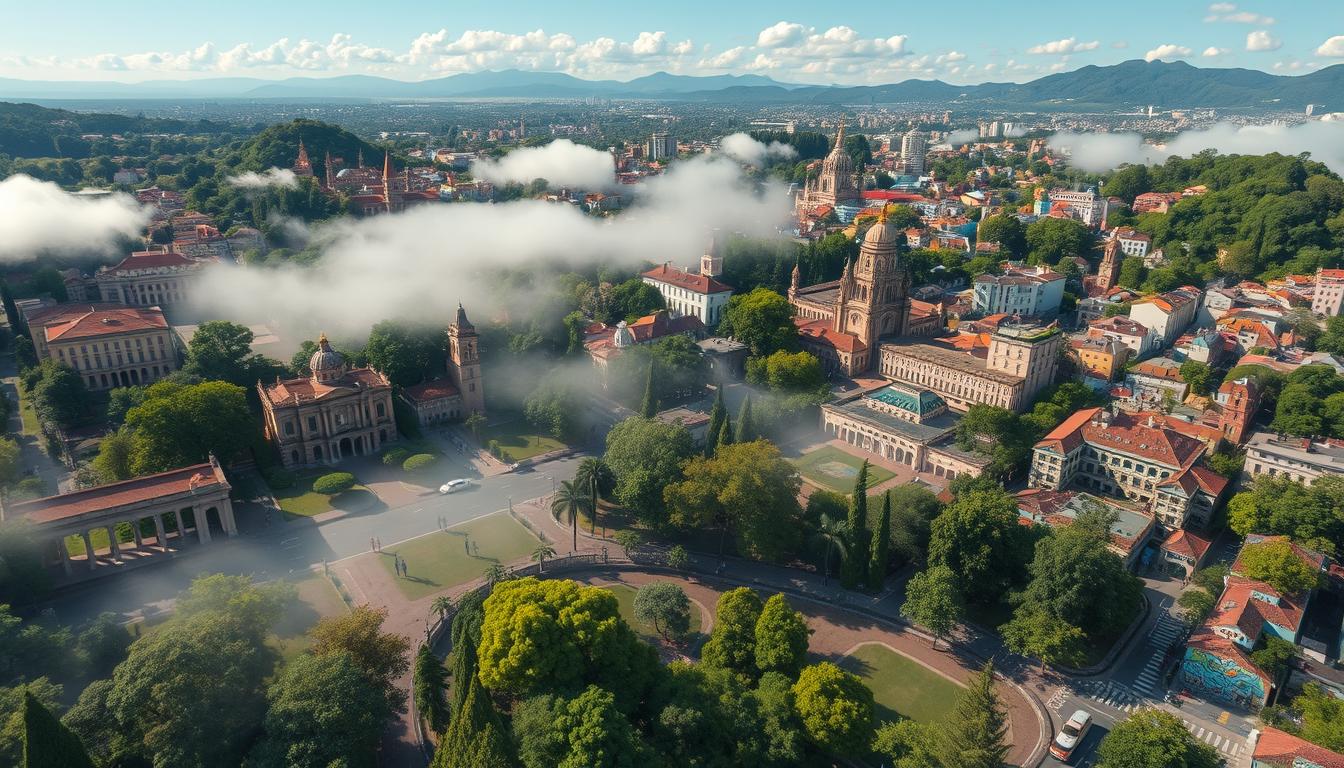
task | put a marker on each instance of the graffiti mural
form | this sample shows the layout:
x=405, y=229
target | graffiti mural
x=1223, y=678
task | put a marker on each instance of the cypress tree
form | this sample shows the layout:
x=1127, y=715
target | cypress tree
x=47, y=743
x=726, y=433
x=746, y=430
x=476, y=737
x=877, y=567
x=464, y=674
x=855, y=568
x=716, y=416
x=975, y=734
x=648, y=408
x=430, y=700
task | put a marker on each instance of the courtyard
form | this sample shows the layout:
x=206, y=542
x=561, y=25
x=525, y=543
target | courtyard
x=831, y=468
x=902, y=687
x=440, y=560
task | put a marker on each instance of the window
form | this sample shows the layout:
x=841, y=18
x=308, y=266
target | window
x=382, y=410
x=312, y=423
x=289, y=427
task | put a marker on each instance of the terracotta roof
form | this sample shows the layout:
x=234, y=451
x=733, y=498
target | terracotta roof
x=438, y=389
x=294, y=391
x=687, y=280
x=90, y=321
x=1187, y=544
x=1130, y=433
x=152, y=260
x=1238, y=607
x=661, y=323
x=52, y=509
x=1068, y=435
x=1279, y=748
x=1120, y=325
x=821, y=332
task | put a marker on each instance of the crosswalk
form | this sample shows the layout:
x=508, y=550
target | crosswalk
x=1127, y=700
x=1228, y=745
x=1167, y=629
x=1115, y=696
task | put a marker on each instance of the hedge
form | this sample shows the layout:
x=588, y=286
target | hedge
x=419, y=461
x=395, y=456
x=280, y=479
x=334, y=483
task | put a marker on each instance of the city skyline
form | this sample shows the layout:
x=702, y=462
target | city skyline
x=790, y=42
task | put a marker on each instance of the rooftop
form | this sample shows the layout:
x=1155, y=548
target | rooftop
x=949, y=358
x=85, y=321
x=1280, y=749
x=193, y=479
x=690, y=281
x=428, y=391
x=1325, y=454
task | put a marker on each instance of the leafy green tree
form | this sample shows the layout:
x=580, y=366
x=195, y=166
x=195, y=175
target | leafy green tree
x=836, y=709
x=880, y=552
x=746, y=426
x=322, y=712
x=781, y=638
x=59, y=394
x=913, y=508
x=717, y=414
x=1275, y=656
x=975, y=734
x=790, y=373
x=11, y=462
x=907, y=744
x=978, y=537
x=1037, y=633
x=46, y=742
x=648, y=407
x=666, y=606
x=1276, y=564
x=587, y=731
x=1050, y=240
x=646, y=455
x=933, y=601
x=1128, y=183
x=334, y=483
x=222, y=351
x=116, y=454
x=179, y=425
x=1280, y=506
x=761, y=319
x=555, y=406
x=597, y=479
x=1211, y=578
x=749, y=490
x=1196, y=605
x=407, y=353
x=1006, y=230
x=379, y=656
x=1196, y=374
x=476, y=737
x=1322, y=717
x=831, y=536
x=631, y=300
x=430, y=687
x=732, y=641
x=121, y=400
x=854, y=569
x=12, y=709
x=1151, y=738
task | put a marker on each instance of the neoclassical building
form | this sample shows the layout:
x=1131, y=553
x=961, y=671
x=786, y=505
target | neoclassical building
x=1019, y=362
x=334, y=413
x=906, y=425
x=462, y=393
x=160, y=278
x=836, y=183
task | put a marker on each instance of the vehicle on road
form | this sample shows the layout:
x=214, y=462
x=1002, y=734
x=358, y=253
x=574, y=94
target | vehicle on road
x=1071, y=735
x=453, y=486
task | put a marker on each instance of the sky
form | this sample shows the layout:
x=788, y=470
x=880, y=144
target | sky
x=799, y=42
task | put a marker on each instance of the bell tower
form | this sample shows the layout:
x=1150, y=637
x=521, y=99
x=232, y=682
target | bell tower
x=879, y=291
x=464, y=363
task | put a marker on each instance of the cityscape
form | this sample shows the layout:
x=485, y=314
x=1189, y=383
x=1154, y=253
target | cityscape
x=782, y=387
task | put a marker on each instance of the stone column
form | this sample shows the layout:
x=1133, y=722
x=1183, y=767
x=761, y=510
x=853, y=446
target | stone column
x=226, y=517
x=158, y=531
x=88, y=550
x=181, y=530
x=112, y=542
x=135, y=531
x=202, y=524
x=64, y=553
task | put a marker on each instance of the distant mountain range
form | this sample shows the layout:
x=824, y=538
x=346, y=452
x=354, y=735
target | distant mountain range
x=1129, y=84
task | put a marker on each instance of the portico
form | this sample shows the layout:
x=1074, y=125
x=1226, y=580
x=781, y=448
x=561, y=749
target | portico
x=187, y=501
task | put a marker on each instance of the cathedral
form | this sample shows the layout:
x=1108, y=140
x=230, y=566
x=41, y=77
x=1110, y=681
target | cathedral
x=836, y=184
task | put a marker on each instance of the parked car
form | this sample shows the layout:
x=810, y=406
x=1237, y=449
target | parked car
x=453, y=486
x=1071, y=735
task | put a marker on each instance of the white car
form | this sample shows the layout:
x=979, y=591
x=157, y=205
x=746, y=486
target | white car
x=1071, y=734
x=453, y=486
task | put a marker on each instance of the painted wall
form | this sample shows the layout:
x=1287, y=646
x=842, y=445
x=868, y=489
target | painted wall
x=1222, y=678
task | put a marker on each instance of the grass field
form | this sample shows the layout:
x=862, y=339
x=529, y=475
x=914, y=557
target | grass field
x=625, y=595
x=832, y=468
x=519, y=440
x=439, y=560
x=901, y=686
x=301, y=500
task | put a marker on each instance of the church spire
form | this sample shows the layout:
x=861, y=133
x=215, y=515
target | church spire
x=840, y=136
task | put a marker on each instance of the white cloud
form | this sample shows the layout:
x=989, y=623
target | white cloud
x=562, y=162
x=780, y=33
x=1120, y=45
x=1167, y=51
x=1334, y=47
x=962, y=136
x=743, y=148
x=41, y=217
x=1098, y=152
x=1212, y=51
x=1067, y=45
x=1261, y=40
x=271, y=177
x=1228, y=12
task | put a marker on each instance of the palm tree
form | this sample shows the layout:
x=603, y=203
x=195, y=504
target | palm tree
x=569, y=500
x=831, y=534
x=443, y=604
x=494, y=574
x=597, y=479
x=540, y=554
x=474, y=422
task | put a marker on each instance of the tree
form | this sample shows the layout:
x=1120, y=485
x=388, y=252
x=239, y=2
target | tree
x=178, y=425
x=1196, y=374
x=476, y=737
x=907, y=744
x=933, y=601
x=831, y=535
x=222, y=351
x=418, y=462
x=1196, y=605
x=1322, y=717
x=10, y=461
x=880, y=552
x=1276, y=564
x=334, y=483
x=781, y=638
x=115, y=456
x=746, y=427
x=1275, y=657
x=1006, y=230
x=587, y=731
x=732, y=641
x=1151, y=738
x=913, y=508
x=648, y=407
x=475, y=422
x=1050, y=240
x=59, y=394
x=555, y=406
x=646, y=455
x=406, y=353
x=978, y=537
x=1036, y=633
x=322, y=712
x=853, y=570
x=46, y=742
x=836, y=709
x=975, y=734
x=430, y=688
x=761, y=319
x=1211, y=578
x=790, y=373
x=1279, y=506
x=747, y=489
x=666, y=606
x=540, y=553
x=595, y=477
x=716, y=416
x=379, y=656
x=567, y=502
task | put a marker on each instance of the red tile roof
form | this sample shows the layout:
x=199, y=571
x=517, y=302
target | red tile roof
x=199, y=477
x=661, y=323
x=293, y=391
x=1130, y=433
x=1236, y=606
x=821, y=332
x=687, y=280
x=1068, y=435
x=1278, y=748
x=91, y=321
x=1186, y=544
x=1204, y=639
x=152, y=260
x=438, y=389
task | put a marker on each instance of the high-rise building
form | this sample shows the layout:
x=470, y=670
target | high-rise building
x=914, y=147
x=661, y=146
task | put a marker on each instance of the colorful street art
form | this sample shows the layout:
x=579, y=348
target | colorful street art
x=1223, y=678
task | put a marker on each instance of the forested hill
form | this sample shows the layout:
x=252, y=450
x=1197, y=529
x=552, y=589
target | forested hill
x=27, y=130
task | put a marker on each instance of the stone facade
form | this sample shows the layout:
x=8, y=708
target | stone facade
x=836, y=183
x=150, y=279
x=1297, y=458
x=108, y=345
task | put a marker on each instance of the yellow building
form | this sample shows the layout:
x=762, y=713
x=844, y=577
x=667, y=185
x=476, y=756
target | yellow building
x=1100, y=357
x=109, y=345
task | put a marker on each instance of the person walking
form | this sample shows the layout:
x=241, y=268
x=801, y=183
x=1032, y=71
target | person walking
x=371, y=547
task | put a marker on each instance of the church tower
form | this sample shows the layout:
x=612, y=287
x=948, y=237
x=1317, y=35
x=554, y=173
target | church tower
x=464, y=363
x=835, y=184
x=879, y=292
x=329, y=171
x=711, y=263
x=1108, y=273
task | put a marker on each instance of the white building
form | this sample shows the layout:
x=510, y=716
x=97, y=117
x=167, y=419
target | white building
x=1328, y=299
x=1136, y=336
x=662, y=146
x=1027, y=291
x=1167, y=315
x=1297, y=458
x=688, y=293
x=1088, y=207
x=1133, y=242
x=914, y=148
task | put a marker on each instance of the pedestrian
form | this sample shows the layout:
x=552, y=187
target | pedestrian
x=466, y=545
x=371, y=547
x=476, y=549
x=378, y=543
x=406, y=572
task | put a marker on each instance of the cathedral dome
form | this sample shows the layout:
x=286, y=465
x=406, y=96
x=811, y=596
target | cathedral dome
x=326, y=363
x=884, y=232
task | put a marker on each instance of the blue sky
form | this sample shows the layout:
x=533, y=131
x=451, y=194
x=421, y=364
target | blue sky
x=813, y=42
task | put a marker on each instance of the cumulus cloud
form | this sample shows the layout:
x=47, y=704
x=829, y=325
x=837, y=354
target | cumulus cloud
x=1228, y=12
x=39, y=216
x=1065, y=46
x=780, y=33
x=271, y=177
x=1261, y=40
x=1213, y=51
x=427, y=259
x=1167, y=51
x=562, y=162
x=1098, y=152
x=1334, y=47
x=743, y=148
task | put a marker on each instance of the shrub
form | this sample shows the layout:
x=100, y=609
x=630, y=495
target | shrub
x=419, y=461
x=678, y=558
x=280, y=479
x=394, y=457
x=629, y=540
x=334, y=483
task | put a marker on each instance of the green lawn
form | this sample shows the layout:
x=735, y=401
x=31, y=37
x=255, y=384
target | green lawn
x=31, y=426
x=625, y=595
x=519, y=440
x=302, y=501
x=439, y=560
x=901, y=686
x=830, y=467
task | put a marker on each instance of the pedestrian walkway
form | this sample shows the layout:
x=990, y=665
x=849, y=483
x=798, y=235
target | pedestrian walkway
x=1230, y=746
x=1114, y=695
x=1167, y=630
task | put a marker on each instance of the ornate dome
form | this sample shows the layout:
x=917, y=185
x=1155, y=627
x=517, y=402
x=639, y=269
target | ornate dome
x=326, y=363
x=884, y=232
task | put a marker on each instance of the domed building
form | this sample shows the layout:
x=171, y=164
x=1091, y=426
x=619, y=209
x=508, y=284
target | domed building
x=332, y=414
x=836, y=183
